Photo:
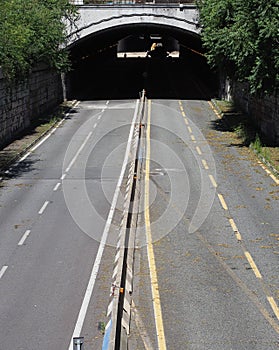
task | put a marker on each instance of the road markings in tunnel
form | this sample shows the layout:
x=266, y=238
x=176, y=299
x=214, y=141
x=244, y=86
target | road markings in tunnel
x=3, y=270
x=150, y=252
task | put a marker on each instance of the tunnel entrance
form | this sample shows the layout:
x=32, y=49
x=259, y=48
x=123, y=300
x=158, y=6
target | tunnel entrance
x=119, y=63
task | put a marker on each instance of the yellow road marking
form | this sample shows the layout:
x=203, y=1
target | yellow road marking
x=214, y=110
x=213, y=181
x=205, y=164
x=274, y=306
x=193, y=138
x=253, y=265
x=198, y=150
x=274, y=178
x=189, y=129
x=235, y=229
x=151, y=258
x=222, y=201
x=184, y=115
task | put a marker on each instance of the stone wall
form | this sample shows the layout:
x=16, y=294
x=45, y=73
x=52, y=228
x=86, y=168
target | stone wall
x=26, y=101
x=263, y=112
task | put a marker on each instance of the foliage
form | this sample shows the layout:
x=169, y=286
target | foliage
x=241, y=38
x=33, y=31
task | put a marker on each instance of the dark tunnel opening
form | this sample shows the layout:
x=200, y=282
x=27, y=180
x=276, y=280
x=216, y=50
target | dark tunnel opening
x=118, y=64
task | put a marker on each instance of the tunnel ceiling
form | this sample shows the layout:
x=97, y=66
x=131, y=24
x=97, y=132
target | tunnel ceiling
x=106, y=38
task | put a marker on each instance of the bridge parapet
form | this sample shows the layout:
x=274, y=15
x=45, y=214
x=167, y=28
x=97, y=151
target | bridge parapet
x=96, y=18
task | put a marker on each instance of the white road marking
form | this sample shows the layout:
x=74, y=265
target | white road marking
x=3, y=270
x=96, y=266
x=24, y=157
x=57, y=186
x=24, y=237
x=63, y=176
x=94, y=126
x=78, y=152
x=46, y=203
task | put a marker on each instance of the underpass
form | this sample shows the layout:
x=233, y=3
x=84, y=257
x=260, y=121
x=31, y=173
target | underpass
x=203, y=268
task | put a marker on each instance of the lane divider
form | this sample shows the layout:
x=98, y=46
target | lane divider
x=43, y=208
x=150, y=252
x=3, y=270
x=24, y=237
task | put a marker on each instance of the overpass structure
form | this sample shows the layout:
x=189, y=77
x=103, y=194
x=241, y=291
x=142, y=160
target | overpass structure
x=96, y=19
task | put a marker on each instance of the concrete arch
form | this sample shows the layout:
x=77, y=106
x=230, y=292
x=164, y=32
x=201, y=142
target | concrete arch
x=94, y=19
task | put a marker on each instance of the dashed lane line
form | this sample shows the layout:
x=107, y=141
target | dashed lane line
x=222, y=201
x=253, y=265
x=3, y=270
x=204, y=163
x=211, y=177
x=43, y=208
x=24, y=237
x=56, y=186
x=199, y=150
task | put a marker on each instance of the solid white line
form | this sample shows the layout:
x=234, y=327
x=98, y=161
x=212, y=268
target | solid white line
x=41, y=142
x=2, y=271
x=57, y=186
x=96, y=266
x=24, y=157
x=46, y=203
x=78, y=152
x=23, y=238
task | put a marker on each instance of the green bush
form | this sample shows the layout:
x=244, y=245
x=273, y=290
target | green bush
x=33, y=31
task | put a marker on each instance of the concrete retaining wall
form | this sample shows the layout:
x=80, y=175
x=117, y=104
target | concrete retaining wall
x=28, y=100
x=264, y=112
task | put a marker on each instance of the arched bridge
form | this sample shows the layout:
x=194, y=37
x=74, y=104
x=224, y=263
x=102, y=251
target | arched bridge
x=95, y=19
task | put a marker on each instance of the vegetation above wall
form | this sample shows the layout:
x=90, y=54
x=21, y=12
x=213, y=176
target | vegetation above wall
x=33, y=31
x=242, y=40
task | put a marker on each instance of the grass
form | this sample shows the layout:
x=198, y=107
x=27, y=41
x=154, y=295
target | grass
x=247, y=133
x=22, y=141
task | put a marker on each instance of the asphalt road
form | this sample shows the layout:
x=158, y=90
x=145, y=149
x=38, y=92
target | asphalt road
x=53, y=211
x=206, y=258
x=208, y=279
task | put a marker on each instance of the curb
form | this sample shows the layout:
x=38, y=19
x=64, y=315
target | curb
x=260, y=156
x=27, y=148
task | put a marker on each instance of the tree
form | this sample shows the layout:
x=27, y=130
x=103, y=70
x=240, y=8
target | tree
x=241, y=38
x=33, y=31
